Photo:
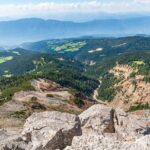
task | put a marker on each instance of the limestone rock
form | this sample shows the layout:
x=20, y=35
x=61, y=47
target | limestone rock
x=129, y=127
x=98, y=119
x=104, y=128
x=99, y=142
x=50, y=130
x=8, y=138
x=98, y=128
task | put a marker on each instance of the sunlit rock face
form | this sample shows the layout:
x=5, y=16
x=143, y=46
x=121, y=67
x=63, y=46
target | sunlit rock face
x=109, y=129
x=99, y=127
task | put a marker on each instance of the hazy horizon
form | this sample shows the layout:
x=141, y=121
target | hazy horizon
x=70, y=10
x=104, y=17
x=81, y=13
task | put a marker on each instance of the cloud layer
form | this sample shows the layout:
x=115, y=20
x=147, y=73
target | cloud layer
x=61, y=9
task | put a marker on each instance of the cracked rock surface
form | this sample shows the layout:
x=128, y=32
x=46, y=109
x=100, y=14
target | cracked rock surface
x=104, y=128
x=98, y=128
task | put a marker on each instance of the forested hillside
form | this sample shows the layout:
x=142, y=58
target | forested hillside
x=90, y=50
x=124, y=77
x=79, y=64
x=23, y=67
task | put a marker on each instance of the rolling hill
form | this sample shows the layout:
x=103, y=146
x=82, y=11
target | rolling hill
x=71, y=75
x=18, y=67
x=80, y=64
x=90, y=50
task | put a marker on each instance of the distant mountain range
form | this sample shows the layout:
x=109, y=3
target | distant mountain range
x=33, y=29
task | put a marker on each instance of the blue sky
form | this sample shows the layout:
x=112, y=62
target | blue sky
x=37, y=1
x=71, y=9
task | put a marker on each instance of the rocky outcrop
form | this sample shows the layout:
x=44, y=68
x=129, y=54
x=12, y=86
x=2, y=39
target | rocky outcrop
x=7, y=136
x=109, y=129
x=97, y=119
x=46, y=131
x=99, y=127
x=55, y=131
x=95, y=142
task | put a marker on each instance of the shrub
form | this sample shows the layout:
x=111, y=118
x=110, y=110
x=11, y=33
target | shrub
x=33, y=99
x=139, y=106
x=79, y=102
x=50, y=95
x=19, y=114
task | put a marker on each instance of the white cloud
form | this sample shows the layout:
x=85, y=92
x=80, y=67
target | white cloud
x=51, y=8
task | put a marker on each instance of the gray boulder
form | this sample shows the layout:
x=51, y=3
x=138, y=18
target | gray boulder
x=104, y=128
x=98, y=128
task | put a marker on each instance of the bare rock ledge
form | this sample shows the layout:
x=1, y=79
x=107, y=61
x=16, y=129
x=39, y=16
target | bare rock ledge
x=98, y=128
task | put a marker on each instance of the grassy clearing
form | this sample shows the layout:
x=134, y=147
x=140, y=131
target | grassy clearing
x=15, y=52
x=4, y=59
x=139, y=62
x=7, y=75
x=68, y=46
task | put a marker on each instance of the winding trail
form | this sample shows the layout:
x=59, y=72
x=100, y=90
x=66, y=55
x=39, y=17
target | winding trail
x=95, y=94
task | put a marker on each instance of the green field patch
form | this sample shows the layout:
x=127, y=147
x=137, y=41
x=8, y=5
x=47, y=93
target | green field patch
x=136, y=65
x=68, y=47
x=5, y=59
x=139, y=62
x=15, y=52
x=7, y=75
x=6, y=71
